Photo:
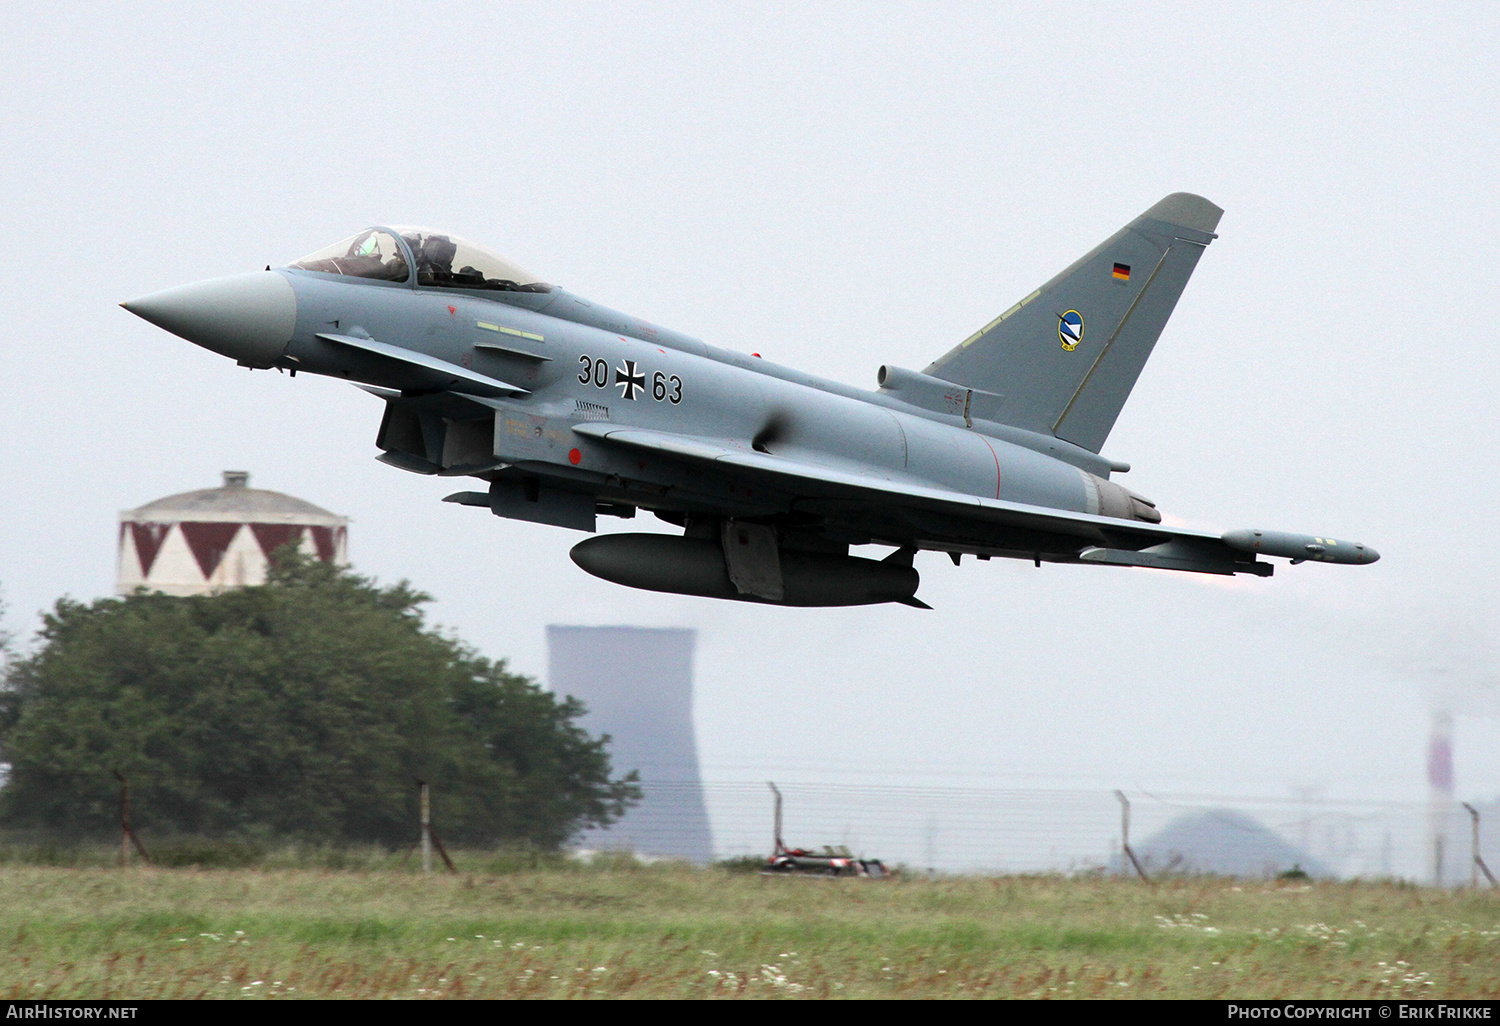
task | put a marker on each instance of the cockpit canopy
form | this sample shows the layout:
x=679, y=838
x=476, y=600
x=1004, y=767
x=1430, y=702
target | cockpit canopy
x=442, y=261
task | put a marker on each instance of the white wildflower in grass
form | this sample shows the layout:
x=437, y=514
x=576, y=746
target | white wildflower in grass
x=773, y=975
x=1194, y=921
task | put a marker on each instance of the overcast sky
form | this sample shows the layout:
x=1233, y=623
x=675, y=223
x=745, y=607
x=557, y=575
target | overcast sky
x=836, y=186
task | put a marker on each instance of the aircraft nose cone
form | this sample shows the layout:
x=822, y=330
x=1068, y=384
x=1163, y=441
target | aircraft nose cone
x=246, y=317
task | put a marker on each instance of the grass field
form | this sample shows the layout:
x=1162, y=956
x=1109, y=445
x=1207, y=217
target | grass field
x=621, y=930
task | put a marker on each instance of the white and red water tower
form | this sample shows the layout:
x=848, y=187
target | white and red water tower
x=219, y=538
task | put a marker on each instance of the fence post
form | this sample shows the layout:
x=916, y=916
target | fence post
x=777, y=846
x=426, y=828
x=1478, y=859
x=127, y=835
x=430, y=839
x=124, y=819
x=1125, y=835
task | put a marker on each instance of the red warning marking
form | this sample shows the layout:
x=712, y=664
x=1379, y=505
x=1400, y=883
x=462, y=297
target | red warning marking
x=148, y=538
x=986, y=441
x=574, y=456
x=327, y=540
x=271, y=537
x=209, y=541
x=452, y=310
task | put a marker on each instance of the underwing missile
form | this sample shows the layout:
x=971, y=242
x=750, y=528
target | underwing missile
x=1299, y=547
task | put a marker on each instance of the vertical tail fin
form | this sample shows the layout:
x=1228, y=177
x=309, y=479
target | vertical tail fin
x=1065, y=358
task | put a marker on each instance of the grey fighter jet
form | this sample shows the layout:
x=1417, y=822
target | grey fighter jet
x=569, y=411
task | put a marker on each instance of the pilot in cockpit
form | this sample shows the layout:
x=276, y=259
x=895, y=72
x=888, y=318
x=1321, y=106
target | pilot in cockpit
x=375, y=253
x=434, y=259
x=370, y=254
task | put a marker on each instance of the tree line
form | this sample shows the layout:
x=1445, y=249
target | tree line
x=302, y=709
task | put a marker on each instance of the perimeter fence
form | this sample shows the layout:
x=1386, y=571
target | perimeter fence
x=961, y=829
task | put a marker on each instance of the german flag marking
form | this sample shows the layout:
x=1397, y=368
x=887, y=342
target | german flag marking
x=1122, y=272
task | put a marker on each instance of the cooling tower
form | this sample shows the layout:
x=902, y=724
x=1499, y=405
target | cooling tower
x=637, y=683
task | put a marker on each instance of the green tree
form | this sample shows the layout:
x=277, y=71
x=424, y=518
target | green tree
x=305, y=708
x=7, y=653
x=6, y=637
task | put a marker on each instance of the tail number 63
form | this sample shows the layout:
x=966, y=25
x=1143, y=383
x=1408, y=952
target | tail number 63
x=666, y=387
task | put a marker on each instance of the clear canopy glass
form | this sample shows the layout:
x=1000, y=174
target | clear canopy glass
x=444, y=261
x=448, y=261
x=370, y=254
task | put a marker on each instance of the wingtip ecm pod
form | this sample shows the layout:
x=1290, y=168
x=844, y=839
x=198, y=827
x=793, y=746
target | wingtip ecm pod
x=1300, y=547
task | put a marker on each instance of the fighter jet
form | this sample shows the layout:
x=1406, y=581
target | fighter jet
x=569, y=411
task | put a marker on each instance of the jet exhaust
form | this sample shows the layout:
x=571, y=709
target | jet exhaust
x=696, y=566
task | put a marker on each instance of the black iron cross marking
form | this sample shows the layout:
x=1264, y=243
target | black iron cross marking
x=629, y=380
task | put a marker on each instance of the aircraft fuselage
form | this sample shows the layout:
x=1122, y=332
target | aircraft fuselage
x=579, y=372
x=569, y=410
